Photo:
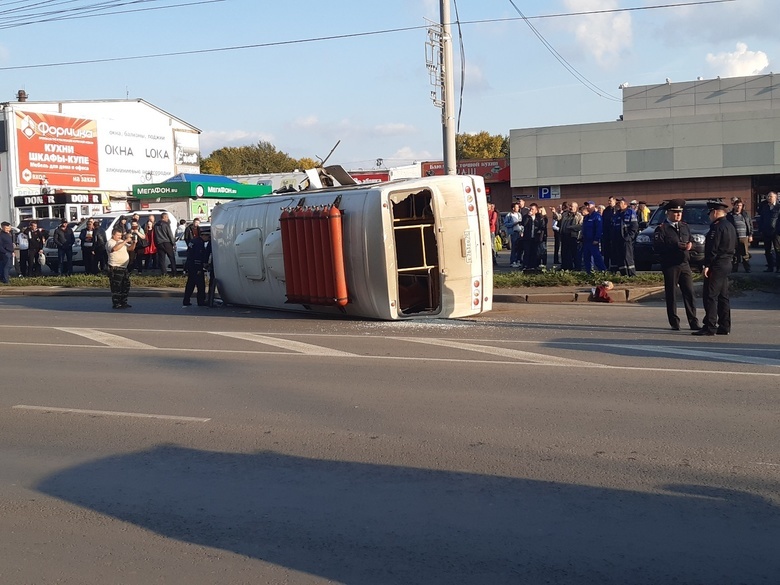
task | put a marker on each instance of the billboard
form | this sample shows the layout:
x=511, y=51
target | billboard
x=56, y=148
x=131, y=154
x=187, y=152
x=366, y=177
x=109, y=155
x=493, y=170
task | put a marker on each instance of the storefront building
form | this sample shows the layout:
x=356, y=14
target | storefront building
x=717, y=138
x=73, y=159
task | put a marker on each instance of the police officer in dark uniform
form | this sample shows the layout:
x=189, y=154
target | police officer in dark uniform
x=719, y=246
x=198, y=253
x=672, y=242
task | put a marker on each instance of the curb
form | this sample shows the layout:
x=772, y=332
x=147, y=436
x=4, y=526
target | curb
x=583, y=295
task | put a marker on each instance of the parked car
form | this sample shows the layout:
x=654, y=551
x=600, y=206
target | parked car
x=107, y=222
x=696, y=215
x=49, y=224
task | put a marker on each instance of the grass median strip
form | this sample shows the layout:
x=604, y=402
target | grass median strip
x=511, y=279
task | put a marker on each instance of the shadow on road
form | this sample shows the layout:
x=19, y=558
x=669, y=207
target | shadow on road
x=363, y=523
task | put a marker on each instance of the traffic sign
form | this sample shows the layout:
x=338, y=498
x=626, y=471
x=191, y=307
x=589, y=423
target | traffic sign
x=550, y=192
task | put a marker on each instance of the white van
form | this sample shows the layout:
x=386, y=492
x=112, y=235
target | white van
x=412, y=248
x=107, y=222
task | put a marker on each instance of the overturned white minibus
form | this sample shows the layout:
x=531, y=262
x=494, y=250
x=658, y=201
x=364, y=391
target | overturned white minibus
x=400, y=250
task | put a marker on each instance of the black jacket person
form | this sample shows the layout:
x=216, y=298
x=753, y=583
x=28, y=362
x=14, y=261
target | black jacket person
x=719, y=247
x=672, y=242
x=198, y=253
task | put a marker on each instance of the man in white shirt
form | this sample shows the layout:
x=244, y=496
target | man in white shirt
x=118, y=248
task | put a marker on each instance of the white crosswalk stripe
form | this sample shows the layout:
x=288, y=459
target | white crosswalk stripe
x=511, y=353
x=296, y=346
x=496, y=351
x=107, y=338
x=681, y=353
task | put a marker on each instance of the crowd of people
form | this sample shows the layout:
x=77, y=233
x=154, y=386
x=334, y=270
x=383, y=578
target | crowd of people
x=592, y=237
x=154, y=250
x=586, y=237
x=131, y=247
x=602, y=237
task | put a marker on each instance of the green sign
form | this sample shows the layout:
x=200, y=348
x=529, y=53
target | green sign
x=200, y=191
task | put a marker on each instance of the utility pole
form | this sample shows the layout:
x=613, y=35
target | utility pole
x=448, y=113
x=440, y=68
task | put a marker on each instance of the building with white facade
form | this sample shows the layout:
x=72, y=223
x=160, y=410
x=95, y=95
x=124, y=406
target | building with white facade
x=72, y=159
x=705, y=138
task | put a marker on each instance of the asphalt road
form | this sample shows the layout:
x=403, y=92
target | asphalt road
x=536, y=444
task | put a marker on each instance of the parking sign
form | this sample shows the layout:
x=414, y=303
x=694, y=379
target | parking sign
x=550, y=192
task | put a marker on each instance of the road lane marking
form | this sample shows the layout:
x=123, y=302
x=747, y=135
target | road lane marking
x=467, y=362
x=296, y=346
x=548, y=343
x=109, y=413
x=496, y=350
x=712, y=354
x=108, y=339
x=537, y=358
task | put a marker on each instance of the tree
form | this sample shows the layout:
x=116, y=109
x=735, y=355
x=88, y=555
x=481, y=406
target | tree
x=481, y=145
x=307, y=163
x=263, y=157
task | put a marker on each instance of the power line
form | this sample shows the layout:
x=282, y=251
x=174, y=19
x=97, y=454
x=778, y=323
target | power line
x=462, y=65
x=88, y=11
x=566, y=65
x=332, y=37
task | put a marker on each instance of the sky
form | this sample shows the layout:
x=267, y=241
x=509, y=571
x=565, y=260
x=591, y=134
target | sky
x=281, y=80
